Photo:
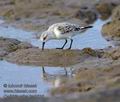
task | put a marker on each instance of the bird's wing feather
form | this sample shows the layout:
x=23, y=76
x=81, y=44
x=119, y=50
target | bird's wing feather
x=67, y=28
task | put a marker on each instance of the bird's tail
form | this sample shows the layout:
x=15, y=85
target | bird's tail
x=86, y=27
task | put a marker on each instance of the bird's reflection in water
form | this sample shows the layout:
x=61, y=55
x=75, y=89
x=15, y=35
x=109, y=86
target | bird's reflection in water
x=57, y=79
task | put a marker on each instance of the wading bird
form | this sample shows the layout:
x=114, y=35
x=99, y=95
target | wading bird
x=64, y=30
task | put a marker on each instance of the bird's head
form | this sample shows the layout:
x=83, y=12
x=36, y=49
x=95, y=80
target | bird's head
x=44, y=36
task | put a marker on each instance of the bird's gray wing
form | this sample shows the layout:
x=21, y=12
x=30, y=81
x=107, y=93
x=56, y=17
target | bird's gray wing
x=67, y=28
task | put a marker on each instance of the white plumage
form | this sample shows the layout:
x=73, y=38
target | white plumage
x=64, y=30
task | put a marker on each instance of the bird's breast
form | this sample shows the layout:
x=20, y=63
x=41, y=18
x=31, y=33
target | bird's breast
x=57, y=33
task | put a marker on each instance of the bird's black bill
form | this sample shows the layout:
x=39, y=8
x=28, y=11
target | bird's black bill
x=43, y=44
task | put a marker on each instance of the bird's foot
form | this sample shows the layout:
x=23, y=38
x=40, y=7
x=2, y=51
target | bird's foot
x=68, y=48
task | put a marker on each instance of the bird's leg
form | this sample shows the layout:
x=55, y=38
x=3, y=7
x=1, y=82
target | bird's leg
x=71, y=43
x=44, y=73
x=43, y=44
x=65, y=72
x=63, y=45
x=43, y=70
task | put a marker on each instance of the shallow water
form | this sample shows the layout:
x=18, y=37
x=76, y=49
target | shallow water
x=32, y=75
x=20, y=74
x=91, y=38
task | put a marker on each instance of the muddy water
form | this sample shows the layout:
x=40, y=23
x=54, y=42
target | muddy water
x=12, y=74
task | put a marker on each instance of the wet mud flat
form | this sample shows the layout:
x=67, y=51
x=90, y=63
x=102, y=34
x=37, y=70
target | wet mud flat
x=112, y=94
x=8, y=45
x=96, y=73
x=91, y=85
x=50, y=57
x=39, y=15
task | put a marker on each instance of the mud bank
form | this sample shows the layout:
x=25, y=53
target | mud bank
x=103, y=95
x=106, y=7
x=40, y=14
x=89, y=80
x=48, y=57
x=111, y=30
x=86, y=57
x=8, y=45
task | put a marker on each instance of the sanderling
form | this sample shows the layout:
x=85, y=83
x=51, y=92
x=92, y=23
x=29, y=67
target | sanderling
x=63, y=30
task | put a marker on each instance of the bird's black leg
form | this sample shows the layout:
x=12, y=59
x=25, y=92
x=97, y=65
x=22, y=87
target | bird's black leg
x=44, y=73
x=43, y=70
x=63, y=45
x=43, y=44
x=65, y=71
x=71, y=43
